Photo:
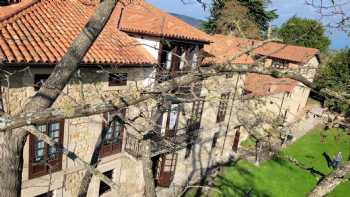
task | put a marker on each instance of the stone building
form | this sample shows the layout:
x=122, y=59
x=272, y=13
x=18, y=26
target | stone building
x=139, y=47
x=282, y=97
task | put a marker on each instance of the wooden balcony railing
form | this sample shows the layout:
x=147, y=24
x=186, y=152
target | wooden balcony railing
x=132, y=145
x=161, y=144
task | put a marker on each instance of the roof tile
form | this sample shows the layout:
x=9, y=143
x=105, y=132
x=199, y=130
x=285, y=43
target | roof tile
x=228, y=44
x=41, y=32
x=222, y=50
x=265, y=85
x=143, y=18
x=287, y=52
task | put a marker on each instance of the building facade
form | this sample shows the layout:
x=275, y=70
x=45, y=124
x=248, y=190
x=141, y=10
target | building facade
x=140, y=46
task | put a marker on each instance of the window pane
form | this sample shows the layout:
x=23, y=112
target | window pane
x=182, y=59
x=39, y=151
x=173, y=116
x=42, y=128
x=116, y=130
x=39, y=145
x=109, y=135
x=52, y=153
x=54, y=126
x=168, y=60
x=54, y=133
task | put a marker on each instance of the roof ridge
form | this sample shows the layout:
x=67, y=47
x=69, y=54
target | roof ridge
x=275, y=42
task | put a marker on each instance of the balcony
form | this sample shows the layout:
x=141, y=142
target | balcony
x=161, y=144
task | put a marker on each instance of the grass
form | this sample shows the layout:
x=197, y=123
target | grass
x=277, y=178
x=248, y=143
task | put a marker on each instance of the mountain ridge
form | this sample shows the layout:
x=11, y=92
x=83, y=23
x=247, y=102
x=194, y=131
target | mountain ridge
x=195, y=22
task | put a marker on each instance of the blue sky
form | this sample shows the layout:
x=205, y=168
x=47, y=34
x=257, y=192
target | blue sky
x=285, y=10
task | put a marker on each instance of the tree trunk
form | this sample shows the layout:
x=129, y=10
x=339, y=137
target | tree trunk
x=11, y=165
x=147, y=169
x=331, y=181
x=12, y=142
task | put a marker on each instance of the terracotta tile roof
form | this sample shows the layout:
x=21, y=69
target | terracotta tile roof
x=10, y=10
x=223, y=49
x=42, y=32
x=143, y=18
x=287, y=52
x=281, y=51
x=265, y=85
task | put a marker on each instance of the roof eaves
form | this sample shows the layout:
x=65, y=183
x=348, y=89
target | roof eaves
x=166, y=36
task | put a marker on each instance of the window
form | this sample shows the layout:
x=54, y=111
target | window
x=196, y=116
x=174, y=57
x=279, y=64
x=172, y=120
x=39, y=80
x=229, y=75
x=222, y=107
x=182, y=52
x=117, y=79
x=45, y=159
x=215, y=140
x=114, y=133
x=169, y=56
x=194, y=124
x=236, y=139
x=104, y=188
x=193, y=57
x=47, y=194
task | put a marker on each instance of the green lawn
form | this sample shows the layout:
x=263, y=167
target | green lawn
x=278, y=178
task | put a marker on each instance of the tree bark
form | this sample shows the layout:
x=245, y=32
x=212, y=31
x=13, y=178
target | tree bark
x=11, y=165
x=329, y=182
x=12, y=142
x=147, y=169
